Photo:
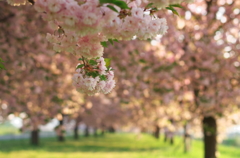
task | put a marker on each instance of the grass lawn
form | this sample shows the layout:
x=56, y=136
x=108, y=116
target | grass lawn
x=108, y=146
x=7, y=128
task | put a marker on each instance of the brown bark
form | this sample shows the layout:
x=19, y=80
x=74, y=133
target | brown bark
x=34, y=140
x=61, y=136
x=111, y=129
x=187, y=140
x=165, y=136
x=210, y=135
x=86, y=131
x=171, y=139
x=76, y=135
x=156, y=132
x=102, y=132
x=95, y=132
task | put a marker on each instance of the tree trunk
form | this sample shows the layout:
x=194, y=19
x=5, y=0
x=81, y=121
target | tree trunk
x=187, y=139
x=165, y=136
x=143, y=130
x=171, y=138
x=171, y=133
x=61, y=136
x=156, y=132
x=35, y=137
x=86, y=132
x=111, y=129
x=95, y=132
x=102, y=132
x=210, y=135
x=76, y=136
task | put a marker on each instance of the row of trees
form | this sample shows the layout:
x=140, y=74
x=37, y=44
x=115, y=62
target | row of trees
x=188, y=76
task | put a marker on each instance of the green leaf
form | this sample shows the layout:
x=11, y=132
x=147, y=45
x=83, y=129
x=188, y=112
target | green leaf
x=176, y=5
x=149, y=6
x=154, y=9
x=80, y=59
x=103, y=77
x=47, y=78
x=136, y=51
x=149, y=39
x=169, y=8
x=93, y=74
x=112, y=8
x=60, y=31
x=162, y=90
x=56, y=99
x=109, y=69
x=104, y=44
x=146, y=67
x=105, y=1
x=172, y=9
x=175, y=12
x=119, y=3
x=142, y=61
x=2, y=67
x=165, y=67
x=111, y=41
x=80, y=66
x=8, y=74
x=108, y=62
x=204, y=100
x=124, y=101
x=92, y=62
x=46, y=120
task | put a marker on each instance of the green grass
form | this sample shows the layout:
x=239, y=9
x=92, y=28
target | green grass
x=108, y=146
x=233, y=141
x=7, y=128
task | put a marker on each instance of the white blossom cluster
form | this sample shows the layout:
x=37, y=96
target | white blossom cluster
x=103, y=83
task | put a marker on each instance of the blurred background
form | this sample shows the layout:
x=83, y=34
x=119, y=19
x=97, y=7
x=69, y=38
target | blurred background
x=174, y=95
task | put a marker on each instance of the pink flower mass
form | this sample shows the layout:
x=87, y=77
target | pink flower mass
x=186, y=69
x=94, y=84
x=81, y=26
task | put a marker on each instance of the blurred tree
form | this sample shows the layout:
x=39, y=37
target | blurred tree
x=37, y=80
x=206, y=42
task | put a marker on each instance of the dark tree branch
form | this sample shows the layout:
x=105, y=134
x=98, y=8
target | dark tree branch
x=209, y=4
x=31, y=1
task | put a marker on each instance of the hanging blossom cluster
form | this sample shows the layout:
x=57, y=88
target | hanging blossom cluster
x=93, y=77
x=88, y=23
x=83, y=27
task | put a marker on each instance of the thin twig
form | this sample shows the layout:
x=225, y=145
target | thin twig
x=83, y=61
